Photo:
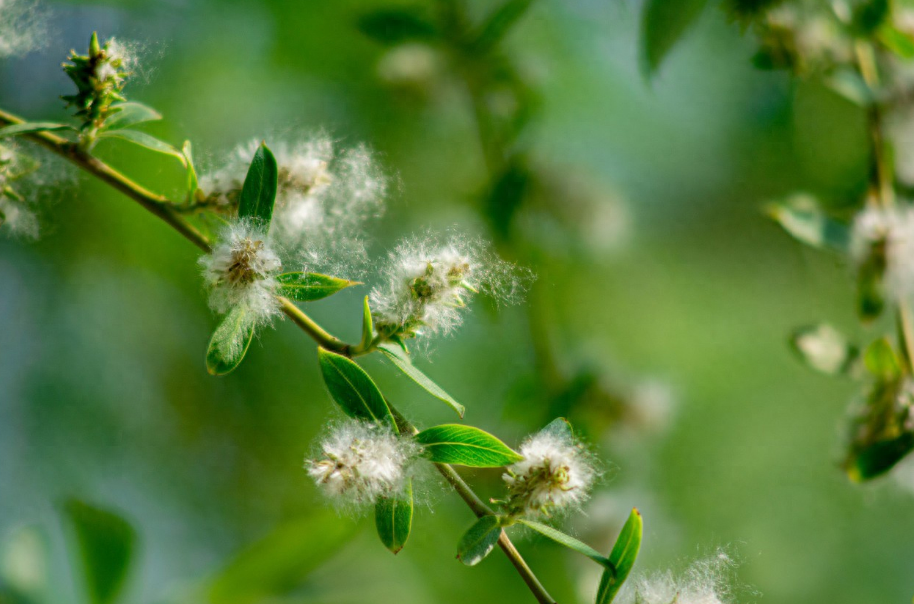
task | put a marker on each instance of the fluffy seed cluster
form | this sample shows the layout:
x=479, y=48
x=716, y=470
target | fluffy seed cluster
x=555, y=475
x=360, y=462
x=889, y=232
x=241, y=272
x=706, y=581
x=22, y=27
x=325, y=195
x=428, y=282
x=15, y=214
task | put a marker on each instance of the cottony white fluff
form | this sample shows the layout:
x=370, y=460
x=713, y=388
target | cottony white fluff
x=706, y=581
x=22, y=27
x=556, y=474
x=360, y=462
x=241, y=272
x=428, y=282
x=818, y=35
x=17, y=217
x=894, y=227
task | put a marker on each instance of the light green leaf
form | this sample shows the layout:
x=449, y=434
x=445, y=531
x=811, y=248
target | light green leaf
x=353, y=389
x=32, y=128
x=399, y=358
x=145, y=140
x=880, y=359
x=129, y=114
x=24, y=561
x=192, y=182
x=307, y=287
x=367, y=326
x=280, y=561
x=105, y=543
x=465, y=446
x=230, y=342
x=394, y=518
x=801, y=217
x=568, y=541
x=897, y=41
x=478, y=541
x=663, y=23
x=622, y=559
x=259, y=191
x=824, y=349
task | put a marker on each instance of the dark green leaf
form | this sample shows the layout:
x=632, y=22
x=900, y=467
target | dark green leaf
x=880, y=359
x=870, y=290
x=125, y=115
x=663, y=23
x=396, y=354
x=465, y=446
x=479, y=540
x=353, y=390
x=824, y=349
x=394, y=519
x=145, y=140
x=568, y=541
x=32, y=128
x=879, y=457
x=105, y=543
x=367, y=326
x=230, y=342
x=397, y=25
x=869, y=16
x=499, y=24
x=801, y=217
x=307, y=287
x=259, y=191
x=622, y=559
x=279, y=562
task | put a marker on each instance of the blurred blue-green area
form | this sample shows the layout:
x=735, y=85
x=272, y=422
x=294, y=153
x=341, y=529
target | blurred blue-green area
x=674, y=276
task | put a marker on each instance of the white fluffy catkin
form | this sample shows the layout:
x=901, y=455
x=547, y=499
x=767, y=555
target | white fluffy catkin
x=22, y=27
x=706, y=581
x=895, y=228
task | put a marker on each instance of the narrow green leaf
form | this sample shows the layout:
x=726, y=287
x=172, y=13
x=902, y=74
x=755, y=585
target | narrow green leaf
x=105, y=543
x=394, y=518
x=479, y=540
x=192, y=181
x=622, y=559
x=663, y=23
x=307, y=287
x=392, y=26
x=398, y=356
x=230, y=342
x=880, y=359
x=32, y=128
x=804, y=220
x=879, y=457
x=280, y=561
x=129, y=114
x=465, y=446
x=568, y=541
x=146, y=141
x=823, y=348
x=258, y=194
x=367, y=326
x=353, y=389
x=499, y=24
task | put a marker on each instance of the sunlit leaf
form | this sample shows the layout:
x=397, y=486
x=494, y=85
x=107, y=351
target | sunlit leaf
x=367, y=325
x=568, y=541
x=307, y=287
x=621, y=559
x=230, y=342
x=258, y=194
x=353, y=389
x=880, y=360
x=146, y=141
x=465, y=446
x=399, y=358
x=129, y=114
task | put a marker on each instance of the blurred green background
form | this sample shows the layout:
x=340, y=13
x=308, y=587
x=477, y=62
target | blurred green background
x=103, y=322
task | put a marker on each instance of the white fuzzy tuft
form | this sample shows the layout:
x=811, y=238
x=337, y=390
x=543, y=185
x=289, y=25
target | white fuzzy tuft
x=16, y=215
x=707, y=581
x=555, y=475
x=241, y=272
x=360, y=462
x=22, y=27
x=893, y=227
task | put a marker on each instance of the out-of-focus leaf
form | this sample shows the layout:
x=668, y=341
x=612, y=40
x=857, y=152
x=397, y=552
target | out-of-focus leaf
x=32, y=128
x=478, y=541
x=353, y=389
x=880, y=359
x=506, y=196
x=307, y=287
x=394, y=519
x=897, y=41
x=621, y=559
x=850, y=84
x=879, y=457
x=801, y=217
x=869, y=16
x=746, y=10
x=230, y=342
x=129, y=114
x=392, y=26
x=568, y=541
x=560, y=427
x=146, y=141
x=398, y=357
x=192, y=183
x=824, y=348
x=499, y=24
x=281, y=560
x=663, y=23
x=465, y=446
x=24, y=560
x=258, y=194
x=104, y=543
x=367, y=325
x=870, y=290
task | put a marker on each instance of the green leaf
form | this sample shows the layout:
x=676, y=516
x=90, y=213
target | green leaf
x=105, y=543
x=367, y=326
x=622, y=559
x=869, y=16
x=801, y=217
x=851, y=85
x=479, y=540
x=568, y=541
x=560, y=427
x=823, y=348
x=192, y=182
x=880, y=359
x=499, y=24
x=879, y=457
x=897, y=41
x=280, y=561
x=259, y=191
x=145, y=140
x=24, y=563
x=465, y=446
x=129, y=114
x=307, y=287
x=870, y=290
x=230, y=342
x=663, y=23
x=394, y=518
x=353, y=389
x=396, y=354
x=392, y=26
x=32, y=128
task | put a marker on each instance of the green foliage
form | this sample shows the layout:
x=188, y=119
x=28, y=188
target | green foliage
x=479, y=540
x=308, y=287
x=32, y=128
x=870, y=288
x=353, y=389
x=230, y=342
x=879, y=457
x=391, y=26
x=899, y=42
x=802, y=218
x=499, y=23
x=663, y=24
x=367, y=326
x=621, y=559
x=824, y=348
x=465, y=446
x=394, y=519
x=399, y=358
x=880, y=359
x=192, y=181
x=568, y=541
x=124, y=115
x=146, y=141
x=869, y=15
x=104, y=543
x=259, y=191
